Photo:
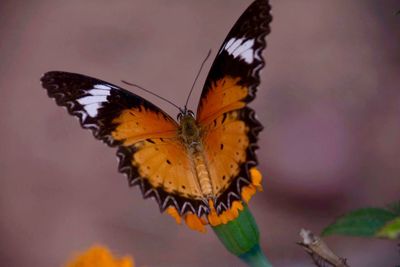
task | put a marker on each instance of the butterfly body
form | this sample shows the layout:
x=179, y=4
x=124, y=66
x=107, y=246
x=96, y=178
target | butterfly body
x=203, y=165
x=189, y=131
x=190, y=134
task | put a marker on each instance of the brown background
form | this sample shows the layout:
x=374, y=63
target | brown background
x=329, y=101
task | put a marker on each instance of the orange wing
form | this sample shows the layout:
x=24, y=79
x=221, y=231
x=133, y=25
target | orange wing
x=224, y=95
x=230, y=142
x=150, y=153
x=225, y=137
x=138, y=123
x=225, y=144
x=230, y=132
x=229, y=127
x=153, y=157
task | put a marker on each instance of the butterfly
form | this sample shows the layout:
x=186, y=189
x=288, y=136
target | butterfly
x=199, y=167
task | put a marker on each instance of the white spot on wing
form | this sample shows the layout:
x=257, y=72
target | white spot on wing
x=234, y=46
x=240, y=48
x=229, y=43
x=99, y=92
x=91, y=99
x=246, y=46
x=248, y=56
x=102, y=87
x=94, y=101
x=92, y=109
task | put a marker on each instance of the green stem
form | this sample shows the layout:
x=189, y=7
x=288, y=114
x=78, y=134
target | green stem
x=256, y=258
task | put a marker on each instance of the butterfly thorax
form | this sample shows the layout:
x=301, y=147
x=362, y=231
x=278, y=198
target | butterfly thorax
x=190, y=134
x=189, y=131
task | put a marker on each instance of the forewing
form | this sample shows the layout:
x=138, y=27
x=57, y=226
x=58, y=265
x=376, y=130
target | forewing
x=234, y=75
x=229, y=127
x=99, y=105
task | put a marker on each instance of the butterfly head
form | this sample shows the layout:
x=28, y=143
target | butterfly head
x=188, y=129
x=184, y=114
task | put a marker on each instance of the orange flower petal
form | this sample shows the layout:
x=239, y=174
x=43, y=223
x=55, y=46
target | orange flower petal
x=195, y=223
x=236, y=207
x=99, y=256
x=248, y=192
x=256, y=178
x=173, y=212
x=225, y=217
x=213, y=217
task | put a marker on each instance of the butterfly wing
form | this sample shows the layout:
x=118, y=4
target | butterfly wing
x=149, y=150
x=230, y=127
x=97, y=104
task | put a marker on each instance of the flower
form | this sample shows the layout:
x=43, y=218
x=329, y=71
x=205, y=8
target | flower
x=99, y=256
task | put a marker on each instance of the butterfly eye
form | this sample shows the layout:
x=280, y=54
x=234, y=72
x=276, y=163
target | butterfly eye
x=191, y=113
x=179, y=116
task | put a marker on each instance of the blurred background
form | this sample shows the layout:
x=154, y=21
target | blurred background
x=329, y=101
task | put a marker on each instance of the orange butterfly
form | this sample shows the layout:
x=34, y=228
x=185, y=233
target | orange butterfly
x=200, y=168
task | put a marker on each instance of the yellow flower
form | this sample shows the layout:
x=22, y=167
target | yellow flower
x=99, y=256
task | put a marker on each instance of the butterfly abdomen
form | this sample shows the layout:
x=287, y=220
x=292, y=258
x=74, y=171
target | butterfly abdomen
x=202, y=174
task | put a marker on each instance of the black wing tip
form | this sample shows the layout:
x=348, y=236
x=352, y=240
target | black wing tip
x=51, y=73
x=48, y=78
x=56, y=74
x=45, y=78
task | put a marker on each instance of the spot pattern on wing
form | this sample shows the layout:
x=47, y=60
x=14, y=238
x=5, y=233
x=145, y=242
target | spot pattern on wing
x=93, y=99
x=240, y=47
x=165, y=164
x=226, y=143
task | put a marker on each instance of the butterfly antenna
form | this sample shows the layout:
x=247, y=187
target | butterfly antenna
x=197, y=76
x=150, y=92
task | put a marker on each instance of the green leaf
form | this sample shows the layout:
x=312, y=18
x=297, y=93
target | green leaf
x=395, y=208
x=390, y=230
x=363, y=222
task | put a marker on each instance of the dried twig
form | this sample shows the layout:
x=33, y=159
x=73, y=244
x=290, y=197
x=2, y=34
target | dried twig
x=320, y=253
